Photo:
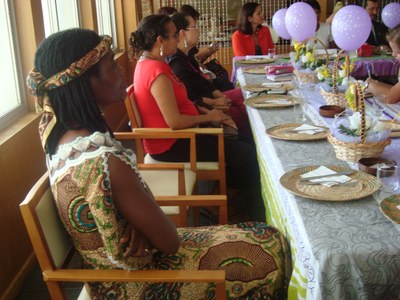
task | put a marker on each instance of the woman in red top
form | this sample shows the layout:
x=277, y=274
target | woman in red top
x=163, y=102
x=251, y=38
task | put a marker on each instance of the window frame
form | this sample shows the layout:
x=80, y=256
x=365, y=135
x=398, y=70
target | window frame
x=113, y=21
x=21, y=102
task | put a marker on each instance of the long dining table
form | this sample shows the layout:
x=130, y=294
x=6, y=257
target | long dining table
x=339, y=249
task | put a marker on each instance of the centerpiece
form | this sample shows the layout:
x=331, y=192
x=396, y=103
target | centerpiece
x=305, y=61
x=358, y=135
x=335, y=82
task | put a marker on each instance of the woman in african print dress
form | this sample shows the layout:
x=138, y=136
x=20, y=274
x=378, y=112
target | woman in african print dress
x=103, y=202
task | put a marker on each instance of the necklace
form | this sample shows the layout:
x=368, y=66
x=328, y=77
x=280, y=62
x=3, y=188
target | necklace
x=148, y=55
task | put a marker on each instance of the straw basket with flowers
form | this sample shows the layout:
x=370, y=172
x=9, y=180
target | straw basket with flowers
x=359, y=135
x=305, y=61
x=337, y=81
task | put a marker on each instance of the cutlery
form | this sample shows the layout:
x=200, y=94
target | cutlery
x=327, y=175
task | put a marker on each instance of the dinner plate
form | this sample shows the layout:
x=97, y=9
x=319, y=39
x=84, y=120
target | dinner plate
x=253, y=61
x=364, y=186
x=390, y=207
x=395, y=127
x=287, y=132
x=268, y=86
x=255, y=70
x=271, y=101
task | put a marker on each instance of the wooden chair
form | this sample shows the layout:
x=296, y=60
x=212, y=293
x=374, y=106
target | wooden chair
x=204, y=170
x=54, y=249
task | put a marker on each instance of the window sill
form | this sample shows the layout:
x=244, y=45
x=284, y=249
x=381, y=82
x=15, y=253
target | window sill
x=17, y=126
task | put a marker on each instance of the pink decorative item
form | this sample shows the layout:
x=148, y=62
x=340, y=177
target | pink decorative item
x=278, y=23
x=301, y=21
x=351, y=27
x=391, y=15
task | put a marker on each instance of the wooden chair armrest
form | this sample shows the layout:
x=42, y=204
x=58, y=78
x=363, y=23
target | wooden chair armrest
x=85, y=275
x=169, y=166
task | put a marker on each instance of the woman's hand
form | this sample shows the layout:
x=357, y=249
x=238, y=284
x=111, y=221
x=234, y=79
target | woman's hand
x=136, y=243
x=217, y=116
x=229, y=122
x=222, y=101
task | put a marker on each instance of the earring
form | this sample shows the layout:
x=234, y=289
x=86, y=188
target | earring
x=161, y=50
x=185, y=43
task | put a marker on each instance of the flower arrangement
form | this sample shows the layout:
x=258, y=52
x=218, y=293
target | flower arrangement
x=352, y=125
x=305, y=56
x=325, y=74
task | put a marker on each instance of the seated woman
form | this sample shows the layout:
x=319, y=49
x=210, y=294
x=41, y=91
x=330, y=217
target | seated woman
x=201, y=91
x=251, y=38
x=107, y=209
x=377, y=88
x=163, y=102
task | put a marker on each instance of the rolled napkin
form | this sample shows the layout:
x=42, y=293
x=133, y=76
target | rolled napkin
x=326, y=181
x=256, y=57
x=272, y=84
x=308, y=129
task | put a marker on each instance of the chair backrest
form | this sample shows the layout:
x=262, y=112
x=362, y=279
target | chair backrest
x=49, y=239
x=135, y=120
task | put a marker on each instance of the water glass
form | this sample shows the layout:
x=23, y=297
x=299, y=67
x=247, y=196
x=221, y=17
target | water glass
x=377, y=108
x=271, y=53
x=388, y=175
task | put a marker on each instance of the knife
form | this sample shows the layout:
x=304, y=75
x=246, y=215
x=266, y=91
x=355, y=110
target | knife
x=328, y=175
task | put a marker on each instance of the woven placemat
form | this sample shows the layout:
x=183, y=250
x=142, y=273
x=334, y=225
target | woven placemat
x=255, y=70
x=390, y=208
x=287, y=132
x=271, y=101
x=364, y=186
x=265, y=86
x=253, y=61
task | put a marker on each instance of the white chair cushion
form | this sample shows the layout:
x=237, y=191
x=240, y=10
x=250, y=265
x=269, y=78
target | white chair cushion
x=83, y=295
x=165, y=183
x=207, y=165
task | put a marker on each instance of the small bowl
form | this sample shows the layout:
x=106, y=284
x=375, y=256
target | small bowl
x=329, y=111
x=365, y=164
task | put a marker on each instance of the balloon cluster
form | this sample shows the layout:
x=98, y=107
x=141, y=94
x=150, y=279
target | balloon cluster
x=351, y=25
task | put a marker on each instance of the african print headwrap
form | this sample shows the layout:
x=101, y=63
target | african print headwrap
x=38, y=85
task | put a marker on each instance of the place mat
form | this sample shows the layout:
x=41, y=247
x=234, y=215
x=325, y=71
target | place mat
x=395, y=126
x=271, y=101
x=285, y=132
x=267, y=86
x=255, y=70
x=263, y=60
x=284, y=56
x=365, y=185
x=390, y=207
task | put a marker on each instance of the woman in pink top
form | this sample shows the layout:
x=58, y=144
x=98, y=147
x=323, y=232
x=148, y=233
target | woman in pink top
x=251, y=38
x=163, y=102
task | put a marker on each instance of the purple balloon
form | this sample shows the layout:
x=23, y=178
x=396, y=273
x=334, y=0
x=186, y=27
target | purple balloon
x=301, y=21
x=391, y=15
x=278, y=23
x=351, y=27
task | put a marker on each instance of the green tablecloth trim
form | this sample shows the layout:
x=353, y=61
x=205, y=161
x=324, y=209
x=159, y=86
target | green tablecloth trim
x=298, y=283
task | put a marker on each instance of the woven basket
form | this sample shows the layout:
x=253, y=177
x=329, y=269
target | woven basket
x=311, y=77
x=355, y=151
x=336, y=98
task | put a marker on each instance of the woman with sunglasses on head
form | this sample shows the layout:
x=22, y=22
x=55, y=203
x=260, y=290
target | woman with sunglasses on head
x=201, y=91
x=251, y=38
x=104, y=204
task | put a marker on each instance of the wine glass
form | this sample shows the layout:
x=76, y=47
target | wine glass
x=389, y=177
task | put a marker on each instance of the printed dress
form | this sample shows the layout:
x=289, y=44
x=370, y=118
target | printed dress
x=254, y=255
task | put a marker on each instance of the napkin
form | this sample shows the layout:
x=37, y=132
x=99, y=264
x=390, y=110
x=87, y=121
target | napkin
x=328, y=181
x=272, y=84
x=250, y=57
x=380, y=165
x=276, y=101
x=308, y=129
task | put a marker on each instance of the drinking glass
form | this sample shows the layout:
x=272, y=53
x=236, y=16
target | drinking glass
x=377, y=108
x=388, y=175
x=271, y=53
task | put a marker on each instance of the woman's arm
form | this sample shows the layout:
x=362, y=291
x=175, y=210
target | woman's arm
x=378, y=88
x=163, y=92
x=138, y=206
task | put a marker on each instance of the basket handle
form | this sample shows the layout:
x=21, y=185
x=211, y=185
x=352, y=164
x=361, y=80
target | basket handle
x=360, y=107
x=335, y=72
x=315, y=40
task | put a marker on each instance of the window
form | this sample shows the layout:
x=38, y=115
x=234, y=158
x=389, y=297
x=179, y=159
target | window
x=12, y=104
x=106, y=19
x=60, y=15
